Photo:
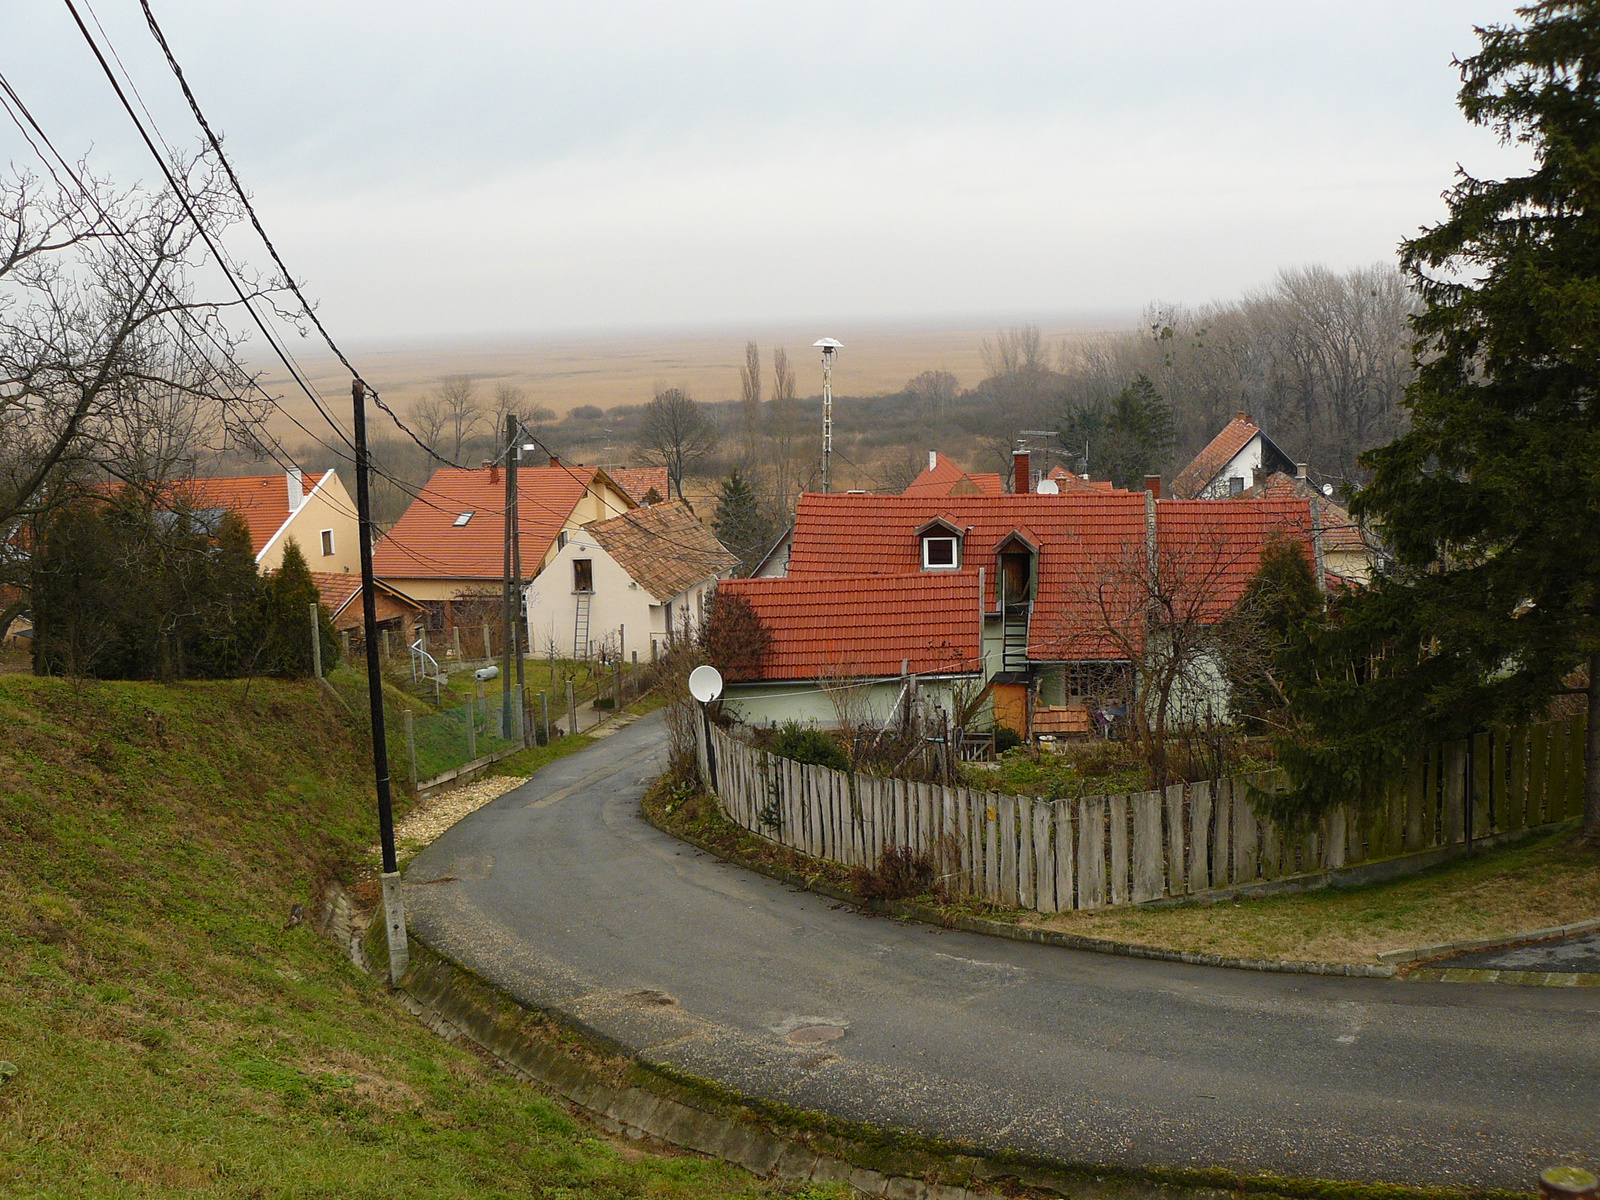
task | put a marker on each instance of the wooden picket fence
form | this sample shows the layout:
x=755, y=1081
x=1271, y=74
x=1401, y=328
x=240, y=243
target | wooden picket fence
x=1055, y=855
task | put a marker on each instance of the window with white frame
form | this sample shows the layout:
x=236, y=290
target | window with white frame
x=941, y=553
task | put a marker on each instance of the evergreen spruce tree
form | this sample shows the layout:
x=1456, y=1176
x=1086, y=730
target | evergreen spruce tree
x=740, y=523
x=1128, y=436
x=1490, y=501
x=286, y=628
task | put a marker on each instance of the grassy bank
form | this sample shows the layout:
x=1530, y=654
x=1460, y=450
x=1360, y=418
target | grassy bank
x=1551, y=879
x=179, y=1027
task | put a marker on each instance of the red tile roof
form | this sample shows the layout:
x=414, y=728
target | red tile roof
x=1339, y=532
x=426, y=543
x=1084, y=539
x=866, y=624
x=638, y=481
x=1069, y=482
x=664, y=548
x=262, y=500
x=338, y=588
x=1203, y=468
x=945, y=478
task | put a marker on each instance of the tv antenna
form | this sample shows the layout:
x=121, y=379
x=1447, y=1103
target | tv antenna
x=827, y=346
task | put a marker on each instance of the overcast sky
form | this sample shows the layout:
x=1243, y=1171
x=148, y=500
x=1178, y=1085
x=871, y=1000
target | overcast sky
x=481, y=169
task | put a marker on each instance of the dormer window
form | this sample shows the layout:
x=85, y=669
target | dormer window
x=941, y=545
x=940, y=553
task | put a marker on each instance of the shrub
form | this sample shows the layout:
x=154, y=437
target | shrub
x=807, y=745
x=1006, y=738
x=901, y=873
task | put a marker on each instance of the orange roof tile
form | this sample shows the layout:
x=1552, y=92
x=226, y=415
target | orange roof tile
x=1339, y=531
x=338, y=588
x=865, y=624
x=663, y=548
x=1083, y=538
x=1203, y=468
x=426, y=543
x=639, y=481
x=1069, y=482
x=261, y=500
x=945, y=478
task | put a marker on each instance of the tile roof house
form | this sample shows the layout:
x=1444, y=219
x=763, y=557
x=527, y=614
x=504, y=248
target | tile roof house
x=1237, y=458
x=942, y=477
x=314, y=511
x=341, y=596
x=447, y=550
x=1066, y=481
x=1349, y=553
x=1043, y=568
x=627, y=585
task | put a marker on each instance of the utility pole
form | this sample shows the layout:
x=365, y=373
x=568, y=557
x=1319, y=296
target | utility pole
x=394, y=903
x=514, y=428
x=828, y=346
x=506, y=649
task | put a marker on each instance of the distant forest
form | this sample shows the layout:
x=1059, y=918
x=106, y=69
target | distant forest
x=1320, y=359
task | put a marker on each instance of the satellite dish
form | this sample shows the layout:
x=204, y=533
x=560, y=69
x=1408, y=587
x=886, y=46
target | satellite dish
x=705, y=684
x=1049, y=487
x=1327, y=489
x=826, y=344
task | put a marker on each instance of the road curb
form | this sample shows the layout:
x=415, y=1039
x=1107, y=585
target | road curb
x=908, y=910
x=1467, y=945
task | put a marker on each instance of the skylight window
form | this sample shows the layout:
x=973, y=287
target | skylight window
x=464, y=518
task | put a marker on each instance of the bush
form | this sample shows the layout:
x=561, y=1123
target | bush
x=901, y=873
x=807, y=745
x=1006, y=738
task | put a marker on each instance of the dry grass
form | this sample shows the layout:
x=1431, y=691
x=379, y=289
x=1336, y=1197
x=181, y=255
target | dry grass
x=1553, y=880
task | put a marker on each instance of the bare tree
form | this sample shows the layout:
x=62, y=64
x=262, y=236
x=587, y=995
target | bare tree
x=463, y=412
x=674, y=433
x=428, y=419
x=1168, y=613
x=750, y=401
x=934, y=390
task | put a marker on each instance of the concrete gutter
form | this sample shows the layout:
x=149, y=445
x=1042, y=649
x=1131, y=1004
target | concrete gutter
x=1449, y=949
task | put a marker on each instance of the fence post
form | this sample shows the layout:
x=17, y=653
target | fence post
x=455, y=639
x=344, y=644
x=411, y=747
x=386, y=645
x=544, y=715
x=572, y=710
x=316, y=643
x=487, y=651
x=472, y=729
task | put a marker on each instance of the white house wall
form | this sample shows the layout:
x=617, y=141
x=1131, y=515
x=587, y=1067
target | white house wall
x=617, y=605
x=1242, y=465
x=805, y=701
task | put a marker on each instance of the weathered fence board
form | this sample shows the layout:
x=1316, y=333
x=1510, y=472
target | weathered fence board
x=1119, y=849
x=1054, y=856
x=1147, y=880
x=1092, y=852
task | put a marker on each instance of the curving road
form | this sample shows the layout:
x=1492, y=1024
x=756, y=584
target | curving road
x=562, y=895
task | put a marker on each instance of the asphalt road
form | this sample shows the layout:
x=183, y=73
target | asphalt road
x=562, y=895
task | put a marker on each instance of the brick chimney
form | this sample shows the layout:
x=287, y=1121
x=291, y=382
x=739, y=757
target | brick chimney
x=554, y=461
x=493, y=469
x=1021, y=472
x=1300, y=470
x=1152, y=484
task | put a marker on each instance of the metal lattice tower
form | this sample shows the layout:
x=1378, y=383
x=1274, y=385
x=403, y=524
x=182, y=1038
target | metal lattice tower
x=828, y=346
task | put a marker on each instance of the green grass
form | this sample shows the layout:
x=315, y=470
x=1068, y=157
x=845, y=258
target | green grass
x=176, y=1034
x=526, y=762
x=1552, y=879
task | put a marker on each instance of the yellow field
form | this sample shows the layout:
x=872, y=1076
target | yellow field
x=560, y=373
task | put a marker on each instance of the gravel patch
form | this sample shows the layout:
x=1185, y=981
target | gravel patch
x=436, y=814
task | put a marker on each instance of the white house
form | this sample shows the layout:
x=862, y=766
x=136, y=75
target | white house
x=626, y=586
x=1237, y=459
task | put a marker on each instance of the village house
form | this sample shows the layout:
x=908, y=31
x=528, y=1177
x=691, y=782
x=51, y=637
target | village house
x=999, y=599
x=942, y=477
x=627, y=586
x=642, y=483
x=397, y=613
x=313, y=511
x=1238, y=458
x=1349, y=553
x=447, y=551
